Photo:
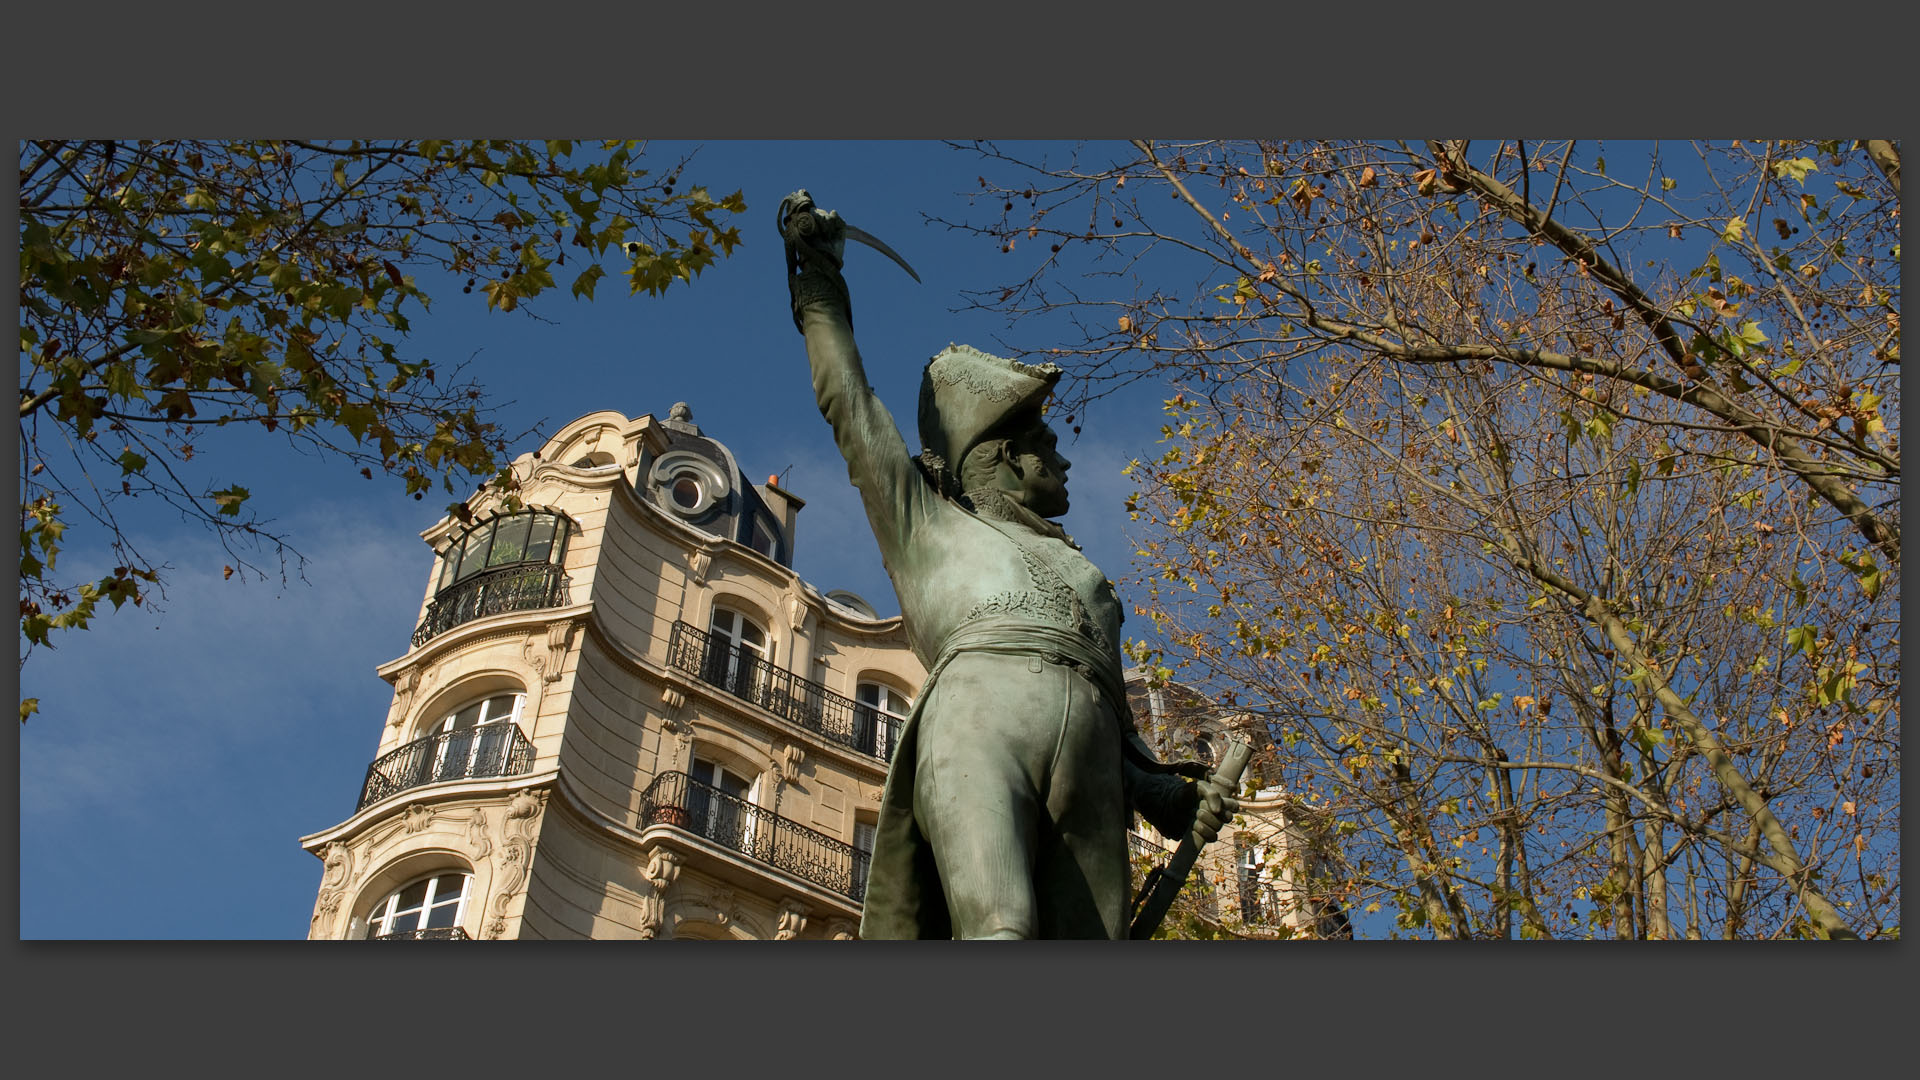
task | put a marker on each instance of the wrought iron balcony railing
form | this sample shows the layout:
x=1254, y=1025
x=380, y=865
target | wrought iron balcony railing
x=674, y=798
x=525, y=587
x=744, y=674
x=1259, y=903
x=470, y=753
x=432, y=933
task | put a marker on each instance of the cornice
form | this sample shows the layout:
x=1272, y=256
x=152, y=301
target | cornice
x=502, y=627
x=428, y=793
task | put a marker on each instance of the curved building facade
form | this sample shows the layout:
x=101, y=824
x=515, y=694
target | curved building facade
x=622, y=714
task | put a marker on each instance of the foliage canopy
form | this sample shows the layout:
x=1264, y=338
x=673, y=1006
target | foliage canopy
x=169, y=288
x=1540, y=498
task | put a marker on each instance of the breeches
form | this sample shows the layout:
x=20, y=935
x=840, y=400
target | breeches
x=1018, y=789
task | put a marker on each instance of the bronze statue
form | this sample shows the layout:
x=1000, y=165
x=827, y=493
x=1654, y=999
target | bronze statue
x=1007, y=801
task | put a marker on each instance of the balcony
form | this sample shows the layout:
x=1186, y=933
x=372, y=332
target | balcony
x=744, y=674
x=469, y=754
x=434, y=933
x=676, y=799
x=522, y=587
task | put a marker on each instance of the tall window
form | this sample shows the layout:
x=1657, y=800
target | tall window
x=718, y=804
x=738, y=658
x=1256, y=894
x=431, y=903
x=879, y=711
x=863, y=832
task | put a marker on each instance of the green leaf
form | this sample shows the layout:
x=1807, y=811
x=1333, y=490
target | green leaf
x=1797, y=168
x=28, y=706
x=228, y=500
x=1733, y=230
x=131, y=463
x=583, y=285
x=1802, y=638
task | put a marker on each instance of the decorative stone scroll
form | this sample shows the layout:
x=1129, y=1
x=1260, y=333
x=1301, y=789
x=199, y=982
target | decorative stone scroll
x=516, y=854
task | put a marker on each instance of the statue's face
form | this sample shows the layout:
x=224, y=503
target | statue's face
x=1043, y=472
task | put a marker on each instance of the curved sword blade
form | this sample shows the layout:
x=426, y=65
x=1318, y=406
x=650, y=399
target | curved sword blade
x=874, y=242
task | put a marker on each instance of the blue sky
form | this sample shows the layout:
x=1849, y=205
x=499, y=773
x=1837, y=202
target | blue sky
x=176, y=759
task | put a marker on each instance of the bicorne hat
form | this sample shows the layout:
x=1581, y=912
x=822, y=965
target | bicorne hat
x=967, y=395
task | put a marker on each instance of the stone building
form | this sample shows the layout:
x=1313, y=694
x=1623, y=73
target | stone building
x=1259, y=879
x=623, y=715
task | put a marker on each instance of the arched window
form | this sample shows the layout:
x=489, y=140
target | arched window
x=474, y=740
x=430, y=907
x=481, y=738
x=736, y=658
x=878, y=712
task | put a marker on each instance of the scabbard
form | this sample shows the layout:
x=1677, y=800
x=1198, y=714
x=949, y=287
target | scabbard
x=1168, y=879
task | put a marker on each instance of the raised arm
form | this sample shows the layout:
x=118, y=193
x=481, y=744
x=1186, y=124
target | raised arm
x=878, y=461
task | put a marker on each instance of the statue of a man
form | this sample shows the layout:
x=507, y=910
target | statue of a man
x=1007, y=803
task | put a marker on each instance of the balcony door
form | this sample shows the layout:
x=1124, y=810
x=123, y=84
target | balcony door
x=474, y=740
x=737, y=660
x=878, y=713
x=718, y=804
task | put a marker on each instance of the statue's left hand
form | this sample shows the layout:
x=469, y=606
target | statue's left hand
x=1214, y=807
x=1175, y=806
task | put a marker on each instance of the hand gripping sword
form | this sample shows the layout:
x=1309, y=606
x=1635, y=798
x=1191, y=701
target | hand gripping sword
x=1163, y=882
x=801, y=221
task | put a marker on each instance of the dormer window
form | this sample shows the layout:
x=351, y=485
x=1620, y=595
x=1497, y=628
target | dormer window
x=689, y=485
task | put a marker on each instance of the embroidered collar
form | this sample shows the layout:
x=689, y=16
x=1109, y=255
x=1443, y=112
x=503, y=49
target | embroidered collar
x=991, y=503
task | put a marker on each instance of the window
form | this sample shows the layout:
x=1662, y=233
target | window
x=764, y=537
x=536, y=536
x=737, y=655
x=863, y=833
x=415, y=909
x=879, y=711
x=689, y=484
x=1256, y=891
x=473, y=741
x=719, y=804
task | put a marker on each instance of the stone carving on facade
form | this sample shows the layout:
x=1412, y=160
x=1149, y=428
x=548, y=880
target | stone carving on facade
x=557, y=636
x=337, y=863
x=534, y=655
x=698, y=566
x=478, y=841
x=663, y=866
x=673, y=717
x=417, y=818
x=653, y=915
x=516, y=855
x=840, y=929
x=793, y=919
x=796, y=612
x=403, y=689
x=723, y=904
